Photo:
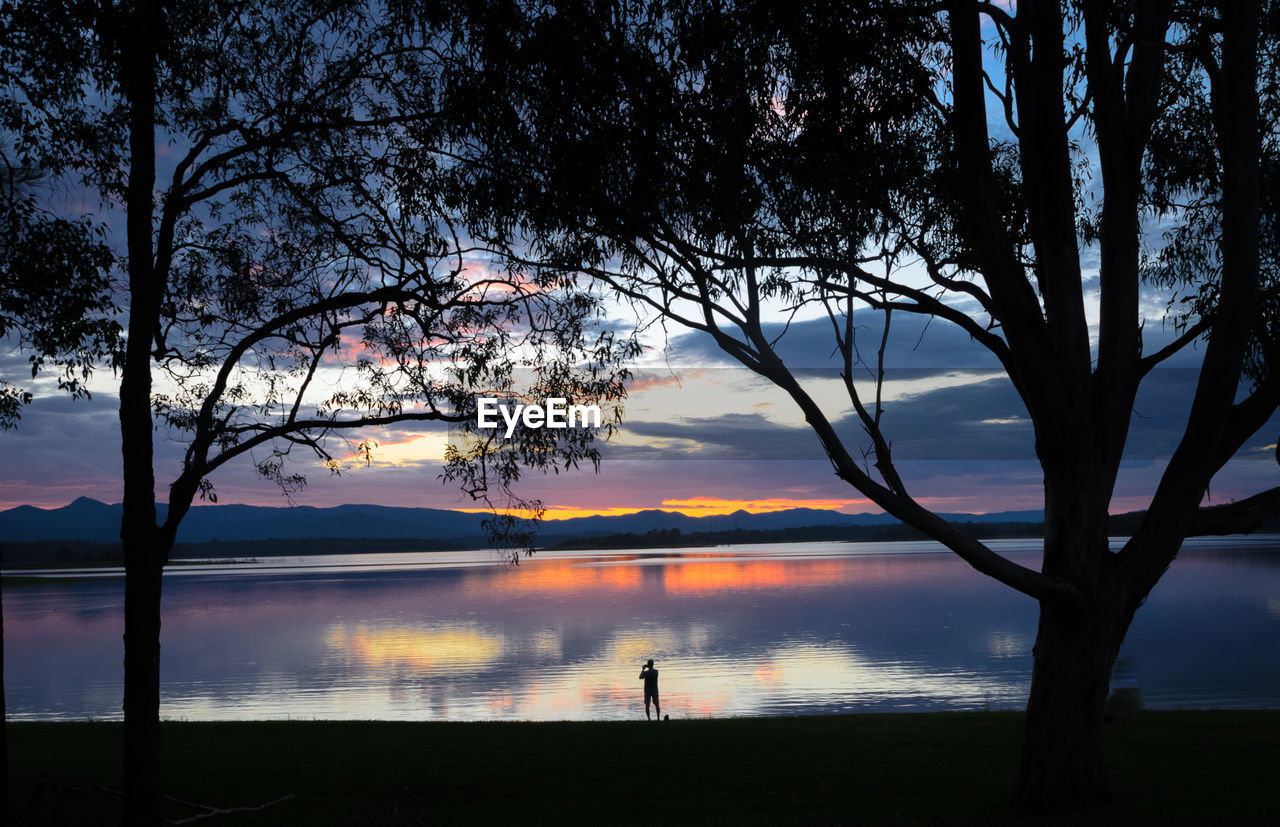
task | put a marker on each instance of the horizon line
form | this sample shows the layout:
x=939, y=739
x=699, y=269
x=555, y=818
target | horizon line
x=696, y=508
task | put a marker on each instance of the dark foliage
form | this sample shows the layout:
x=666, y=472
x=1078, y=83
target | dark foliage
x=722, y=166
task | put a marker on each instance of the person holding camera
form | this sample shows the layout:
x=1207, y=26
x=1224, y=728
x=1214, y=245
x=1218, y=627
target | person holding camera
x=650, y=677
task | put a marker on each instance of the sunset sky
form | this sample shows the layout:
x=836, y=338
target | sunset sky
x=700, y=436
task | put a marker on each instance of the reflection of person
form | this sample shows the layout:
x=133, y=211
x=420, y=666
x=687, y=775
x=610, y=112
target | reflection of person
x=650, y=677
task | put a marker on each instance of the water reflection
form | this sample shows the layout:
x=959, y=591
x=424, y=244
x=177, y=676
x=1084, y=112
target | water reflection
x=398, y=648
x=801, y=628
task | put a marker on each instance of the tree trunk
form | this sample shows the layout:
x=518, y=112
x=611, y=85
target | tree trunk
x=142, y=684
x=144, y=556
x=1062, y=766
x=4, y=728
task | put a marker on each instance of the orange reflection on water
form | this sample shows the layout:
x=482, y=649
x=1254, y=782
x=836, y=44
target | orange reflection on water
x=768, y=673
x=553, y=577
x=629, y=573
x=459, y=648
x=698, y=578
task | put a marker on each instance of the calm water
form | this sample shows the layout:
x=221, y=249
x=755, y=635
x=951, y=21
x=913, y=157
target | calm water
x=742, y=630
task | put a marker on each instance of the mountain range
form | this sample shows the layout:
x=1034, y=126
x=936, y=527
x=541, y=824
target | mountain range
x=89, y=520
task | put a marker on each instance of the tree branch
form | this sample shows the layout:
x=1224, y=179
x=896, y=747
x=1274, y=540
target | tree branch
x=1200, y=450
x=1195, y=331
x=1013, y=302
x=1028, y=581
x=1241, y=517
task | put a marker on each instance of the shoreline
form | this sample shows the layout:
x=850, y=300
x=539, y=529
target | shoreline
x=266, y=552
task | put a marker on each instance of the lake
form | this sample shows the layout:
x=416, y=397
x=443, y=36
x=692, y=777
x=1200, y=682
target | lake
x=768, y=629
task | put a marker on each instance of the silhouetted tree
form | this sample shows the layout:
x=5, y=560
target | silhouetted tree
x=709, y=161
x=54, y=301
x=287, y=267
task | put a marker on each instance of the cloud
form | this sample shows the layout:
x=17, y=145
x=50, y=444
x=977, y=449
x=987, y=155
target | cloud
x=915, y=342
x=62, y=449
x=728, y=436
x=928, y=414
x=709, y=432
x=722, y=413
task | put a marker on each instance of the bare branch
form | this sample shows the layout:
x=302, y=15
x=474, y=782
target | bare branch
x=1193, y=332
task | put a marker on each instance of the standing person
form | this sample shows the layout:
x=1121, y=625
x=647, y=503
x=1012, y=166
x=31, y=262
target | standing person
x=650, y=677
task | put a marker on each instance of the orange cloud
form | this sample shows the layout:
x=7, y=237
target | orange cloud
x=644, y=381
x=563, y=512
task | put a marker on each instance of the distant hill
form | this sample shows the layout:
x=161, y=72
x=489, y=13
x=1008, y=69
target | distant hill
x=85, y=532
x=88, y=520
x=92, y=521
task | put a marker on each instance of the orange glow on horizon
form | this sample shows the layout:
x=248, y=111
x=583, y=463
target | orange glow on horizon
x=562, y=512
x=691, y=507
x=699, y=506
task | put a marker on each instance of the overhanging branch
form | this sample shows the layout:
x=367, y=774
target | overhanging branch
x=1240, y=517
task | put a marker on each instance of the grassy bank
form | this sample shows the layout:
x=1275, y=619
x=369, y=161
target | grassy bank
x=950, y=768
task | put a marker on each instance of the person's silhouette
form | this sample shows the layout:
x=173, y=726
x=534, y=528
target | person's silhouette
x=650, y=677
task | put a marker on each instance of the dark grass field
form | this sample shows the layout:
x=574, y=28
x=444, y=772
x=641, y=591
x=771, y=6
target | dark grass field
x=938, y=768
